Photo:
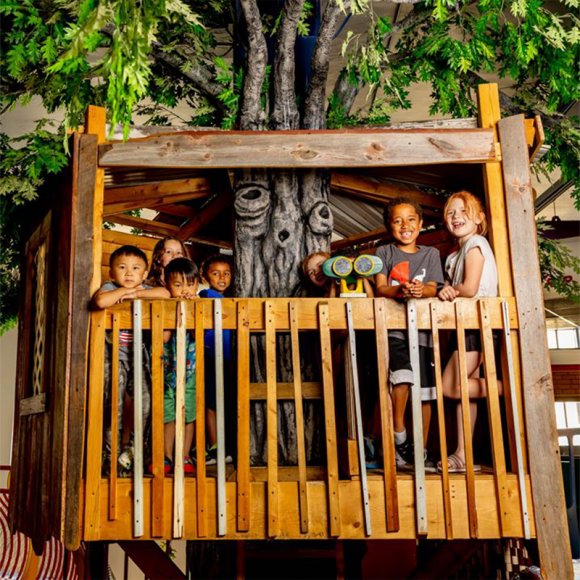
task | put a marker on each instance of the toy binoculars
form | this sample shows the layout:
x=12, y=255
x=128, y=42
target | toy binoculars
x=352, y=271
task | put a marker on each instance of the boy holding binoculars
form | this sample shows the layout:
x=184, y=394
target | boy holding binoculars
x=409, y=271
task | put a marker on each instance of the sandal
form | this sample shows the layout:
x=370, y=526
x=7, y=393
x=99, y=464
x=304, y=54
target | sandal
x=456, y=465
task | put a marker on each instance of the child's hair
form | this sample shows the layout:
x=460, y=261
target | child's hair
x=473, y=206
x=128, y=251
x=182, y=267
x=324, y=255
x=156, y=267
x=216, y=259
x=400, y=201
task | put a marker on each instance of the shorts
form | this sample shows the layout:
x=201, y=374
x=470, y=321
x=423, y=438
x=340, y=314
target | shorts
x=190, y=403
x=473, y=344
x=401, y=371
x=170, y=376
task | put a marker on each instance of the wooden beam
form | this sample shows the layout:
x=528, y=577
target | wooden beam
x=381, y=191
x=203, y=241
x=207, y=214
x=544, y=458
x=184, y=211
x=152, y=560
x=279, y=149
x=155, y=227
x=539, y=138
x=119, y=199
x=123, y=238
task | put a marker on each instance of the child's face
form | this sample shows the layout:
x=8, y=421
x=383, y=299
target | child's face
x=459, y=222
x=171, y=250
x=180, y=287
x=219, y=276
x=128, y=271
x=405, y=225
x=314, y=271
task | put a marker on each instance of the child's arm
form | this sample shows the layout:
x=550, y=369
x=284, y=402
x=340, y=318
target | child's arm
x=386, y=291
x=106, y=298
x=474, y=261
x=167, y=335
x=156, y=292
x=419, y=289
x=368, y=288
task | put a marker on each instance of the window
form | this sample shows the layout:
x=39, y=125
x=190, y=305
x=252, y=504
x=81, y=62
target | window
x=563, y=338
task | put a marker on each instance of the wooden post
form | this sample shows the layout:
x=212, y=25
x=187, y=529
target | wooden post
x=545, y=469
x=95, y=124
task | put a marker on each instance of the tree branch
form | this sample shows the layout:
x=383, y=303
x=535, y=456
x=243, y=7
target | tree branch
x=314, y=104
x=252, y=116
x=285, y=115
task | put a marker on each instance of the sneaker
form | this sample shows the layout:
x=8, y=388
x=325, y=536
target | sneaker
x=125, y=460
x=188, y=466
x=372, y=459
x=404, y=456
x=211, y=456
x=430, y=463
x=167, y=467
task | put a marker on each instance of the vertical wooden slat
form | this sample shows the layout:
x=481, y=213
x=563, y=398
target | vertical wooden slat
x=114, y=416
x=494, y=413
x=220, y=419
x=299, y=406
x=157, y=425
x=138, y=511
x=329, y=420
x=201, y=482
x=271, y=420
x=509, y=379
x=243, y=475
x=441, y=421
x=178, y=473
x=386, y=411
x=95, y=427
x=466, y=421
x=545, y=469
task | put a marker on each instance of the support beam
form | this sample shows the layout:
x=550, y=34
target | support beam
x=152, y=560
x=207, y=214
x=154, y=227
x=544, y=457
x=283, y=149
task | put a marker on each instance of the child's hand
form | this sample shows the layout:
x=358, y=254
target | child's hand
x=448, y=293
x=130, y=295
x=416, y=288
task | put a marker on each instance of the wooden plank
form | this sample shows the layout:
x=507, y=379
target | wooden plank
x=285, y=391
x=382, y=191
x=271, y=421
x=539, y=138
x=272, y=149
x=243, y=459
x=290, y=473
x=95, y=427
x=33, y=405
x=95, y=120
x=114, y=416
x=145, y=225
x=329, y=421
x=220, y=416
x=489, y=115
x=138, y=426
x=298, y=397
x=466, y=422
x=152, y=560
x=157, y=425
x=445, y=489
x=176, y=209
x=121, y=207
x=163, y=192
x=146, y=243
x=545, y=469
x=386, y=411
x=201, y=481
x=178, y=471
x=494, y=414
x=206, y=215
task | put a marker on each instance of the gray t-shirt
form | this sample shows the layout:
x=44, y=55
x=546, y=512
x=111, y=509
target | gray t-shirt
x=400, y=267
x=455, y=266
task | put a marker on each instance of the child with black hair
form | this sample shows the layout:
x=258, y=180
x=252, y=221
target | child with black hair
x=181, y=279
x=128, y=271
x=217, y=272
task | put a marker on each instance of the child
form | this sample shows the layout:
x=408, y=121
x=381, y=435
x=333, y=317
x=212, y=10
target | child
x=165, y=250
x=409, y=271
x=181, y=278
x=128, y=270
x=318, y=283
x=217, y=272
x=471, y=272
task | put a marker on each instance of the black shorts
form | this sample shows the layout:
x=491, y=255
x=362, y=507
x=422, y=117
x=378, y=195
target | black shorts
x=473, y=344
x=401, y=371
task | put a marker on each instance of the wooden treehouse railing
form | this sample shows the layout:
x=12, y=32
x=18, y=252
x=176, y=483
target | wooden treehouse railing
x=339, y=498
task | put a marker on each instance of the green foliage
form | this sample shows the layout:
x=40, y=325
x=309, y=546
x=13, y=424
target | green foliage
x=556, y=263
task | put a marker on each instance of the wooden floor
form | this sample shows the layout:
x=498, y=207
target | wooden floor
x=351, y=512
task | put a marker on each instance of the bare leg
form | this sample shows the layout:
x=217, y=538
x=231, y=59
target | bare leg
x=188, y=441
x=210, y=423
x=169, y=432
x=426, y=409
x=399, y=395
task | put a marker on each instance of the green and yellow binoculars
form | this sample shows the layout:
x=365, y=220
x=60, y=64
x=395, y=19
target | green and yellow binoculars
x=352, y=271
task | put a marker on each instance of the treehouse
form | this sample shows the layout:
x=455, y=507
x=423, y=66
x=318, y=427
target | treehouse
x=59, y=486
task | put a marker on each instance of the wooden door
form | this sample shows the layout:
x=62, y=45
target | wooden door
x=49, y=416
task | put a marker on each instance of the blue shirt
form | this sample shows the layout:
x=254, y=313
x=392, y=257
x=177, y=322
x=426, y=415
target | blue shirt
x=210, y=334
